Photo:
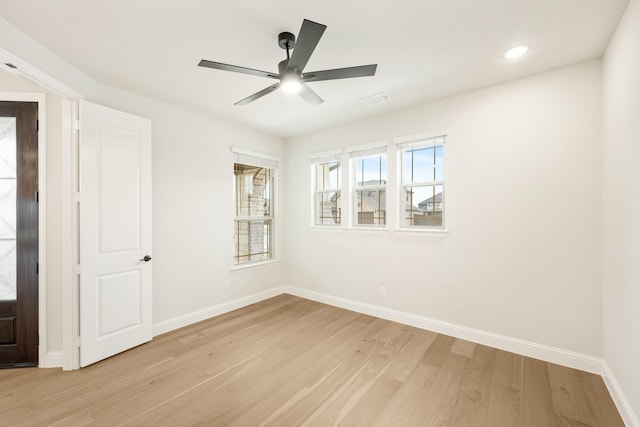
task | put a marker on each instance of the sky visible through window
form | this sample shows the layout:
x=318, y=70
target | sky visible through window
x=421, y=165
x=371, y=170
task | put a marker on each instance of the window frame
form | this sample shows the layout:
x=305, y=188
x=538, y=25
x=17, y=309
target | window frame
x=356, y=154
x=316, y=161
x=260, y=160
x=420, y=142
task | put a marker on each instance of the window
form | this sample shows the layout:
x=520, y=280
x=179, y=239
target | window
x=422, y=183
x=369, y=186
x=253, y=179
x=327, y=195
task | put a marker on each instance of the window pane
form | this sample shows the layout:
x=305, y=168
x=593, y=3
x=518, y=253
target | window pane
x=253, y=190
x=328, y=175
x=370, y=207
x=8, y=260
x=371, y=170
x=423, y=206
x=252, y=240
x=419, y=164
x=328, y=208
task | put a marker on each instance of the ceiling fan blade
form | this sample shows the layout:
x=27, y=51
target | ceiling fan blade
x=237, y=69
x=340, y=73
x=308, y=39
x=257, y=95
x=310, y=96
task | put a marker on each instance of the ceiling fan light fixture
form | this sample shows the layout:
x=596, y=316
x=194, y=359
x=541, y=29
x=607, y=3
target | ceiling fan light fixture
x=290, y=70
x=291, y=83
x=516, y=52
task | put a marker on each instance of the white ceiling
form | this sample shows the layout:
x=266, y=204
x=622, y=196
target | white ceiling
x=425, y=49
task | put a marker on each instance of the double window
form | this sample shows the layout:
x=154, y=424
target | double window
x=419, y=186
x=253, y=179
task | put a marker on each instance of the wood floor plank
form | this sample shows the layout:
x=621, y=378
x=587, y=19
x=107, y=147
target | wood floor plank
x=504, y=407
x=508, y=370
x=439, y=351
x=463, y=348
x=405, y=362
x=566, y=394
x=348, y=397
x=408, y=397
x=288, y=361
x=372, y=404
x=537, y=403
x=599, y=401
x=474, y=391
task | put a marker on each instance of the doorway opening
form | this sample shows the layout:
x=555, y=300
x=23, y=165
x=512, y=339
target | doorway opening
x=19, y=236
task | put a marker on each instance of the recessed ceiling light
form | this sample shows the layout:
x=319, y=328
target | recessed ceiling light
x=516, y=52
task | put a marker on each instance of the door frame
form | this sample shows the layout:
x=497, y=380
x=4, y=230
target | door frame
x=70, y=233
x=43, y=357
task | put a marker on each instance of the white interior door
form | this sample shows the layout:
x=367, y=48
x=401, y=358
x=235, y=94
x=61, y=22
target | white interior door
x=115, y=232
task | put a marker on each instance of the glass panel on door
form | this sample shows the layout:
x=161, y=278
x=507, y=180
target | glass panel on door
x=8, y=182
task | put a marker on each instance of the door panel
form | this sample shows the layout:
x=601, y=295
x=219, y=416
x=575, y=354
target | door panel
x=115, y=232
x=121, y=290
x=119, y=209
x=18, y=234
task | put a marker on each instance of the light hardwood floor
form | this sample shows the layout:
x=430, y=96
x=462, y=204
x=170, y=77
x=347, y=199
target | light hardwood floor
x=288, y=361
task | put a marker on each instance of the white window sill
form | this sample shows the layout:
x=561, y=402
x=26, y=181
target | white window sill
x=421, y=231
x=326, y=227
x=374, y=230
x=249, y=265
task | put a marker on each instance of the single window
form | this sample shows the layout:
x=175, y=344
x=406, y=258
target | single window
x=422, y=183
x=369, y=186
x=328, y=192
x=254, y=206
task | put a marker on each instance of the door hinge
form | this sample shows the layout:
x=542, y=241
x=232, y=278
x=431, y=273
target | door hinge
x=76, y=125
x=76, y=269
x=76, y=197
x=77, y=342
x=37, y=268
x=37, y=196
x=37, y=125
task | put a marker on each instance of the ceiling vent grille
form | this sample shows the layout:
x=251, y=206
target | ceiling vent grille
x=377, y=99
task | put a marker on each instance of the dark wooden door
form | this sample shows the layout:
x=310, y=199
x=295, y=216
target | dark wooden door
x=18, y=234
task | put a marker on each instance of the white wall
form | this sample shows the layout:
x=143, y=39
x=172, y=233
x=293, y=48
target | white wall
x=523, y=191
x=53, y=118
x=621, y=205
x=193, y=206
x=21, y=49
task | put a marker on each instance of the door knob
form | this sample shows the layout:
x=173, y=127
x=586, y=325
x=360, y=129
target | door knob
x=146, y=258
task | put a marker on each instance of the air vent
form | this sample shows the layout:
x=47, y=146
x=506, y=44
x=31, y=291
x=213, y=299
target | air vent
x=8, y=64
x=377, y=99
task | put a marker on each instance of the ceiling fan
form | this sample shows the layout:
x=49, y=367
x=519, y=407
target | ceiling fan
x=290, y=71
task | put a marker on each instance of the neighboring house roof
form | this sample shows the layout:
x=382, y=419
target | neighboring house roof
x=434, y=199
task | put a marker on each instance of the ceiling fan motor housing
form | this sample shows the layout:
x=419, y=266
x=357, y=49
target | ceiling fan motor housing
x=285, y=39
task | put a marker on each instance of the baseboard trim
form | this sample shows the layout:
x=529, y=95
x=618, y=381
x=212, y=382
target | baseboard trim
x=53, y=359
x=216, y=310
x=624, y=407
x=555, y=355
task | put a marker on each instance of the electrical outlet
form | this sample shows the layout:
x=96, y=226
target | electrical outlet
x=226, y=286
x=383, y=291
